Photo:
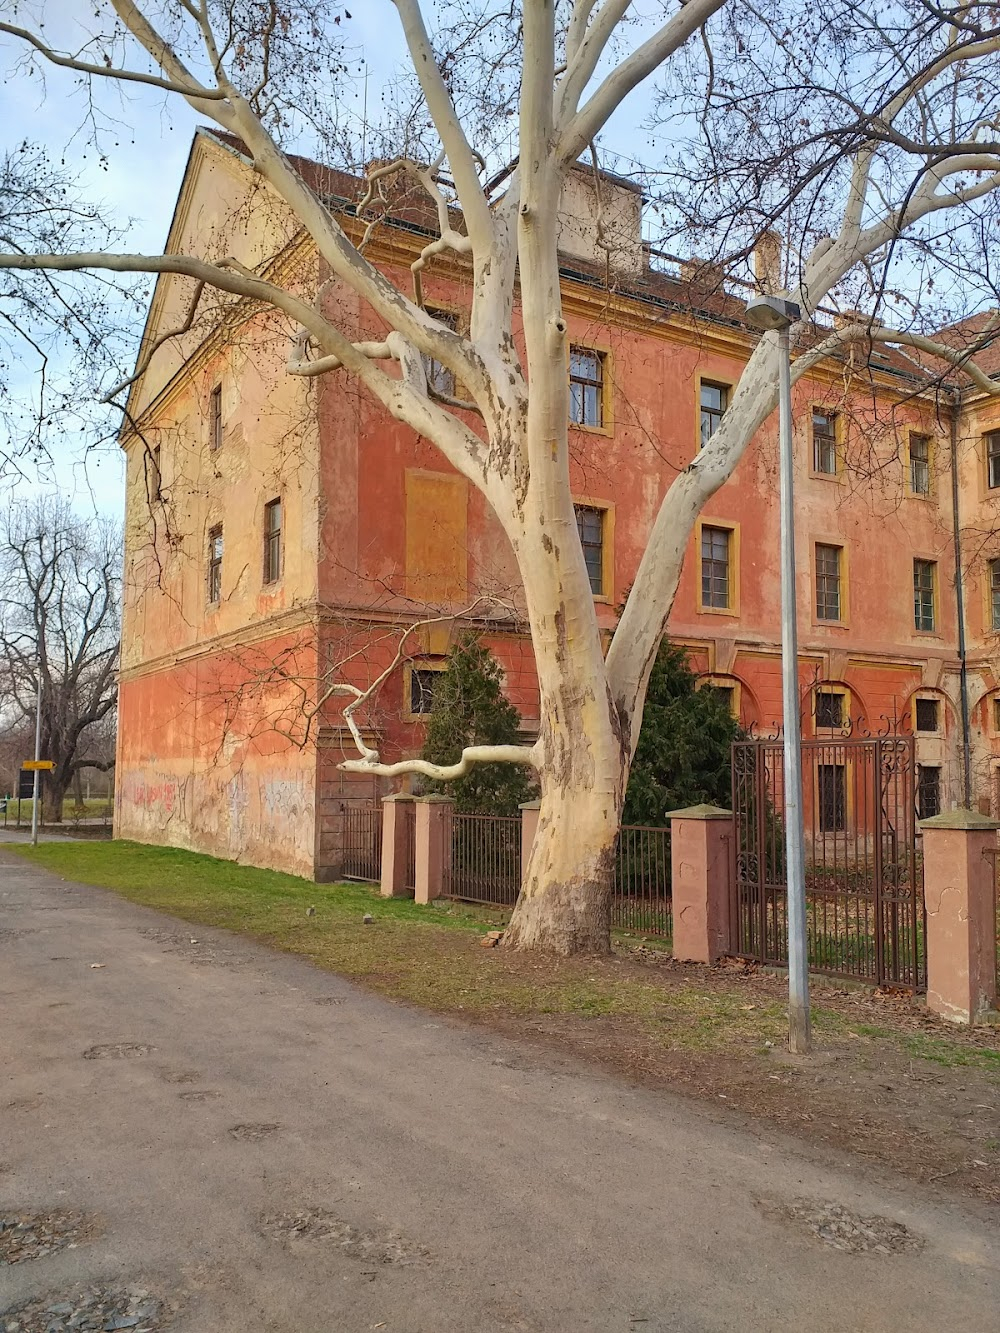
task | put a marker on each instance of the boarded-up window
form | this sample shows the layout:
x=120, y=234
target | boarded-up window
x=437, y=556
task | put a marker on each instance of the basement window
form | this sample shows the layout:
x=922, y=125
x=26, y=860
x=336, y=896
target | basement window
x=928, y=791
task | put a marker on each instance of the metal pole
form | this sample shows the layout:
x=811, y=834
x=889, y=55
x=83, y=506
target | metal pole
x=799, y=1036
x=38, y=754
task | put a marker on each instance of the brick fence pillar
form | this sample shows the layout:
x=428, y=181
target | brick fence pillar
x=699, y=866
x=529, y=827
x=394, y=843
x=433, y=844
x=961, y=915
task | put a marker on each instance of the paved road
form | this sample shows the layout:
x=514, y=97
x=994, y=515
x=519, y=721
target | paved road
x=546, y=1197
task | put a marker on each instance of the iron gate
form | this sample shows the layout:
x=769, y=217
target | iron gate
x=864, y=893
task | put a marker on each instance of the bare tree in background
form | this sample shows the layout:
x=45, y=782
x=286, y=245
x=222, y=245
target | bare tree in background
x=913, y=156
x=60, y=626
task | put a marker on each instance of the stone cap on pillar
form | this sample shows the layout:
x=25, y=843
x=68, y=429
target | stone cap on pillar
x=700, y=812
x=961, y=818
x=399, y=796
x=434, y=798
x=530, y=805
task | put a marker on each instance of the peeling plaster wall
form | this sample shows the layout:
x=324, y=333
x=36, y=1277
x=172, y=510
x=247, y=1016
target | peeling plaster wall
x=190, y=779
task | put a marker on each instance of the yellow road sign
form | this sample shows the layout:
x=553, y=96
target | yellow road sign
x=32, y=764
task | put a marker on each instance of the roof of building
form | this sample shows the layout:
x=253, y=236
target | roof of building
x=703, y=293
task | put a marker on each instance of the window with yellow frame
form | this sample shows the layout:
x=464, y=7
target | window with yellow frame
x=589, y=388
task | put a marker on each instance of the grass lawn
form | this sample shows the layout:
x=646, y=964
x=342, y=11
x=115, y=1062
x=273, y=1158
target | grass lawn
x=890, y=1083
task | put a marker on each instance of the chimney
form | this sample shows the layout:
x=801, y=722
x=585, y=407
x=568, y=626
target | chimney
x=703, y=273
x=601, y=221
x=767, y=262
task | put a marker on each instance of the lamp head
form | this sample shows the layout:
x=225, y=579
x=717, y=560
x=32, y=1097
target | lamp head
x=772, y=312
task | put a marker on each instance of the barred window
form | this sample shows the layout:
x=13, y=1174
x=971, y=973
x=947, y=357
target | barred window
x=920, y=464
x=715, y=554
x=422, y=683
x=215, y=564
x=927, y=714
x=828, y=598
x=825, y=443
x=928, y=791
x=714, y=401
x=832, y=785
x=586, y=387
x=590, y=525
x=272, y=541
x=923, y=594
x=829, y=709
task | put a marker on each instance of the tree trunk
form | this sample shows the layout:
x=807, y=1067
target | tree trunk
x=53, y=796
x=565, y=900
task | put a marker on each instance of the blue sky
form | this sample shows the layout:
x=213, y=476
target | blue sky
x=147, y=137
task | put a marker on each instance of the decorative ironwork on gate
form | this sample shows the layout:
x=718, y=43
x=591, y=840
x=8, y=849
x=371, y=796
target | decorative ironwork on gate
x=864, y=895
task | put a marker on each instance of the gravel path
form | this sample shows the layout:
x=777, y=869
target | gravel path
x=204, y=1137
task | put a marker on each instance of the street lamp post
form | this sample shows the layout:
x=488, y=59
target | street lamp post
x=775, y=313
x=36, y=782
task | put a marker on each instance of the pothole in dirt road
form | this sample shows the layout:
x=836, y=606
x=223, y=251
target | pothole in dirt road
x=319, y=1227
x=8, y=934
x=252, y=1133
x=25, y=1236
x=118, y=1050
x=841, y=1229
x=96, y=1308
x=180, y=1075
x=199, y=1095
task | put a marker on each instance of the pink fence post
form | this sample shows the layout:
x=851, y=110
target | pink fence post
x=433, y=846
x=394, y=845
x=961, y=915
x=699, y=864
x=529, y=827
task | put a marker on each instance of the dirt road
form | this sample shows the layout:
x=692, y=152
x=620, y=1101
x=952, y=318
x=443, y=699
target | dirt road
x=205, y=1136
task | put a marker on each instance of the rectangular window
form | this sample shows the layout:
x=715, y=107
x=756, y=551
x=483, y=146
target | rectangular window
x=714, y=401
x=924, y=572
x=825, y=443
x=590, y=524
x=996, y=715
x=715, y=548
x=439, y=377
x=920, y=464
x=832, y=788
x=422, y=682
x=927, y=714
x=215, y=564
x=995, y=594
x=928, y=791
x=586, y=387
x=272, y=541
x=828, y=599
x=993, y=458
x=215, y=418
x=829, y=709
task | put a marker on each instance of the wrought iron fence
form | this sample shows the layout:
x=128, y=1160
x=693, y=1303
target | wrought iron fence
x=485, y=867
x=864, y=898
x=362, y=842
x=485, y=862
x=640, y=897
